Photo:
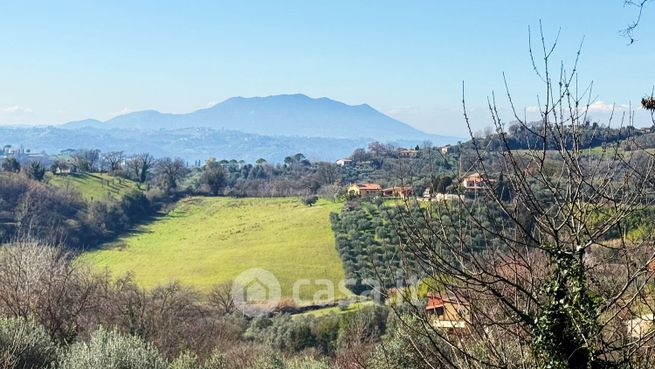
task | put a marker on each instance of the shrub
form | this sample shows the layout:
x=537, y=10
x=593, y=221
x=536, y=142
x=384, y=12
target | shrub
x=308, y=363
x=269, y=360
x=25, y=345
x=112, y=350
x=39, y=281
x=309, y=200
x=190, y=361
x=392, y=352
x=187, y=360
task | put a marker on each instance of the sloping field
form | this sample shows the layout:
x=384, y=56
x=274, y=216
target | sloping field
x=94, y=186
x=205, y=241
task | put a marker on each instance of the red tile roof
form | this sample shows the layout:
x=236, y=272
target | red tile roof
x=369, y=186
x=435, y=301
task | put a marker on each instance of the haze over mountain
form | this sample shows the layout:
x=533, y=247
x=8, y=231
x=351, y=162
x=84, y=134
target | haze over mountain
x=278, y=115
x=240, y=128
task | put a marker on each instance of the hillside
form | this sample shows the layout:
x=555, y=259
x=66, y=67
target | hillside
x=94, y=186
x=189, y=143
x=205, y=241
x=239, y=128
x=278, y=115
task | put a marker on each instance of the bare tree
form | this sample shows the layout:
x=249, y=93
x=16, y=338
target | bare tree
x=38, y=281
x=640, y=5
x=140, y=166
x=221, y=298
x=546, y=264
x=114, y=160
x=170, y=172
x=86, y=160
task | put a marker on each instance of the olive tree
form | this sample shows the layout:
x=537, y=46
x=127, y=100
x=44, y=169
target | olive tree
x=549, y=267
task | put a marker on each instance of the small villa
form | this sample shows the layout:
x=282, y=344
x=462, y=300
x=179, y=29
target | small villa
x=440, y=197
x=641, y=326
x=66, y=167
x=398, y=191
x=476, y=181
x=364, y=189
x=448, y=311
x=344, y=162
x=407, y=153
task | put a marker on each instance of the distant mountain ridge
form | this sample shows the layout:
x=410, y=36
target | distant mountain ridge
x=188, y=143
x=271, y=127
x=277, y=115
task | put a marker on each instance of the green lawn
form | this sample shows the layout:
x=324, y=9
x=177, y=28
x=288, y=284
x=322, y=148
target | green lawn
x=204, y=241
x=94, y=186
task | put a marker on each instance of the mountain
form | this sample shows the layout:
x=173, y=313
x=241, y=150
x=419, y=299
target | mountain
x=188, y=143
x=278, y=115
x=241, y=128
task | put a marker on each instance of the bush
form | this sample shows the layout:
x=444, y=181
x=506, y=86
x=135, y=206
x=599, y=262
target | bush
x=39, y=281
x=308, y=363
x=392, y=353
x=309, y=200
x=190, y=361
x=25, y=345
x=269, y=360
x=112, y=350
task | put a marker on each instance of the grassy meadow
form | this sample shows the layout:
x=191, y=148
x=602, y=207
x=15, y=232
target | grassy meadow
x=93, y=186
x=205, y=241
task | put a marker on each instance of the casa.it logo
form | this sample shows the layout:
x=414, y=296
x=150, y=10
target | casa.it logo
x=256, y=292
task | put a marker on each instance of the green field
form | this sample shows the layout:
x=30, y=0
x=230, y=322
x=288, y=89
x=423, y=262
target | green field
x=205, y=241
x=93, y=186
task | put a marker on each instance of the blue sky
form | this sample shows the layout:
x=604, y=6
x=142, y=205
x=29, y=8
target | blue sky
x=69, y=60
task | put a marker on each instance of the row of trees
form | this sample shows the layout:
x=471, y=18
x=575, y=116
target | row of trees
x=35, y=209
x=368, y=242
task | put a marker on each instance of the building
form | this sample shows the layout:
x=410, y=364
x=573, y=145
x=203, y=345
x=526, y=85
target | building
x=8, y=150
x=448, y=311
x=445, y=149
x=441, y=197
x=407, y=153
x=477, y=182
x=641, y=326
x=364, y=189
x=344, y=161
x=398, y=191
x=65, y=167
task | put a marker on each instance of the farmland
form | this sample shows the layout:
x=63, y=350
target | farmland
x=206, y=241
x=94, y=186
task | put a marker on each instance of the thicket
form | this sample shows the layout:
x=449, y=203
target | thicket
x=29, y=208
x=56, y=314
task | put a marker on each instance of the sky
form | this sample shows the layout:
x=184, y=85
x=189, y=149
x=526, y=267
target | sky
x=70, y=60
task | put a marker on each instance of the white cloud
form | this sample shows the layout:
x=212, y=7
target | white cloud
x=600, y=106
x=595, y=107
x=15, y=110
x=124, y=111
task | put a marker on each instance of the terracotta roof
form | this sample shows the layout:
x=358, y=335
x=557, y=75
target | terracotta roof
x=436, y=300
x=399, y=188
x=369, y=186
